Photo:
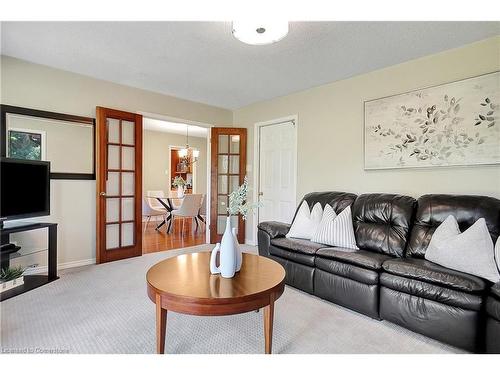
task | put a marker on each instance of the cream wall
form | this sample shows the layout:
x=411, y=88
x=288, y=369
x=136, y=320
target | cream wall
x=156, y=161
x=330, y=128
x=73, y=202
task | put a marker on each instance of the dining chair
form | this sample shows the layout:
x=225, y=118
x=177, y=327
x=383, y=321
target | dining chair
x=189, y=208
x=151, y=207
x=202, y=213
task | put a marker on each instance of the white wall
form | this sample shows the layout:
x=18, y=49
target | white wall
x=330, y=128
x=73, y=202
x=155, y=160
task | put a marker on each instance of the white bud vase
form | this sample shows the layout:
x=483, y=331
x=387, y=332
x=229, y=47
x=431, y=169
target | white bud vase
x=239, y=256
x=227, y=267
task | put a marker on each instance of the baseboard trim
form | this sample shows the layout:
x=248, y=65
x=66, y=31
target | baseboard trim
x=60, y=266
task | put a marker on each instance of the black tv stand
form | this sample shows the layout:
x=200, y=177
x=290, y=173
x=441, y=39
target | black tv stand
x=30, y=281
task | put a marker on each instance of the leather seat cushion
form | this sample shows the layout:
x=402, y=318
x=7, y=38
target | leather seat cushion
x=431, y=291
x=347, y=270
x=361, y=258
x=297, y=245
x=423, y=270
x=293, y=256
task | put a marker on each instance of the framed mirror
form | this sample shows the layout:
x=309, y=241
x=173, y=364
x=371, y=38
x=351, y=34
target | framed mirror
x=67, y=141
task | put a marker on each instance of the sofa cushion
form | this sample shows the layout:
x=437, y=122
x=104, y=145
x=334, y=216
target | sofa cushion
x=297, y=245
x=347, y=270
x=294, y=256
x=361, y=258
x=423, y=270
x=433, y=209
x=274, y=228
x=431, y=291
x=382, y=222
x=297, y=250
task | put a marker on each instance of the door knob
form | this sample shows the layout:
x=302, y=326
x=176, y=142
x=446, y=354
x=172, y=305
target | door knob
x=261, y=193
x=102, y=194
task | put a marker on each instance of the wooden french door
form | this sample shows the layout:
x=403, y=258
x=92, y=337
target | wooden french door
x=118, y=185
x=228, y=164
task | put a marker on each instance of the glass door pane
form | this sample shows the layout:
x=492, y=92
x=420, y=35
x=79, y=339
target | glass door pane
x=120, y=184
x=228, y=144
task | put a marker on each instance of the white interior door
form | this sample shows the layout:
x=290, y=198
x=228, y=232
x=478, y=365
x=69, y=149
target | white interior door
x=277, y=171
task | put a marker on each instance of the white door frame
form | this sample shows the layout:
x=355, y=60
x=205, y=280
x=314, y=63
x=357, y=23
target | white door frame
x=256, y=162
x=204, y=125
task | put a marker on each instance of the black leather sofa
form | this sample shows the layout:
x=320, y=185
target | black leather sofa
x=388, y=277
x=493, y=320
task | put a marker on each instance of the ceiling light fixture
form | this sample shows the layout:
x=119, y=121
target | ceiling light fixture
x=188, y=154
x=260, y=32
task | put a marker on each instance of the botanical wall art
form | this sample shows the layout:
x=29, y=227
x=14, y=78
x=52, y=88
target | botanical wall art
x=26, y=144
x=451, y=124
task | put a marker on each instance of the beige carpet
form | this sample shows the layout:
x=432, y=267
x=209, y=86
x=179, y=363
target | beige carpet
x=105, y=309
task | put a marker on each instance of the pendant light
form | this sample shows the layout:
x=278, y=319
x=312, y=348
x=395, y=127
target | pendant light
x=188, y=154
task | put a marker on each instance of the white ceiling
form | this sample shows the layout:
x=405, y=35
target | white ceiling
x=201, y=61
x=173, y=127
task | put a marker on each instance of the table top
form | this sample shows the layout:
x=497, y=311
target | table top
x=187, y=277
x=168, y=196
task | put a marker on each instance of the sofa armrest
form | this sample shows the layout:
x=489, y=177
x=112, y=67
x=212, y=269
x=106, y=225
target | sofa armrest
x=495, y=291
x=274, y=228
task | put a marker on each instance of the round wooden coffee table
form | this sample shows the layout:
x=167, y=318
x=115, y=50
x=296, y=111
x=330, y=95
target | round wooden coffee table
x=185, y=285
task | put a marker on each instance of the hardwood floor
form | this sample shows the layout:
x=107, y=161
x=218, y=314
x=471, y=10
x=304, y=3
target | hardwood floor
x=159, y=240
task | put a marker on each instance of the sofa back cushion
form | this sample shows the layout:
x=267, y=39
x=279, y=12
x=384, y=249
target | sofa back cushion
x=337, y=199
x=433, y=209
x=382, y=222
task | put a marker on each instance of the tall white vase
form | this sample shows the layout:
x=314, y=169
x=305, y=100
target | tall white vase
x=227, y=249
x=180, y=191
x=239, y=256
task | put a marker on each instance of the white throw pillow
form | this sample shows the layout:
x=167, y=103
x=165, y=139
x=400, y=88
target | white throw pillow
x=447, y=229
x=497, y=253
x=306, y=222
x=336, y=230
x=471, y=251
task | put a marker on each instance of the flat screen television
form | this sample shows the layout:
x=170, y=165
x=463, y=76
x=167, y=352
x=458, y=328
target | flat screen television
x=24, y=188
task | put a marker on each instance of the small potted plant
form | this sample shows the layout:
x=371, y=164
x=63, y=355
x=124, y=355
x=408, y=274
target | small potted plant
x=11, y=277
x=179, y=183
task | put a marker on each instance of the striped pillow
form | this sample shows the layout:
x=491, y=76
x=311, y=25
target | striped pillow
x=336, y=230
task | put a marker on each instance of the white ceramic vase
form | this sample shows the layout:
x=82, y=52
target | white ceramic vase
x=229, y=250
x=180, y=191
x=239, y=257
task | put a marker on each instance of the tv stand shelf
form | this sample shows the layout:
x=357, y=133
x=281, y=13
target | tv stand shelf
x=30, y=281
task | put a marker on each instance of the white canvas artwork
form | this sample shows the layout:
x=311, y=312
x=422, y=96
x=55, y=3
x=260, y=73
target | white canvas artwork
x=446, y=125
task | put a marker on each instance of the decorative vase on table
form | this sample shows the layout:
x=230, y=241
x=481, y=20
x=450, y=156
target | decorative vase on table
x=237, y=249
x=230, y=255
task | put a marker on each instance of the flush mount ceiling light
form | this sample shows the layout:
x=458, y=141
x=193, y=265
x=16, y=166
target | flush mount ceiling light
x=260, y=32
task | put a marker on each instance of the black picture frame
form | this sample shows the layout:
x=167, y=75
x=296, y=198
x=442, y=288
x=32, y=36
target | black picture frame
x=6, y=109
